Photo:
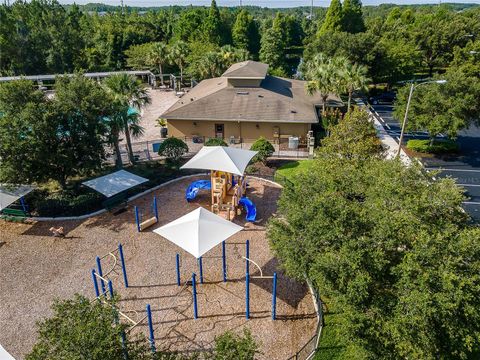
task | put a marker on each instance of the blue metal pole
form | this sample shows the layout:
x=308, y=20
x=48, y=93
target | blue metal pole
x=110, y=288
x=247, y=279
x=200, y=267
x=177, y=258
x=247, y=295
x=150, y=328
x=224, y=262
x=22, y=202
x=122, y=261
x=124, y=345
x=95, y=283
x=247, y=255
x=99, y=270
x=155, y=208
x=137, y=218
x=194, y=290
x=274, y=297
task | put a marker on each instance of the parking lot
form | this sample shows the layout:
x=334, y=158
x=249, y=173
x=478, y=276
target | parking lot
x=464, y=167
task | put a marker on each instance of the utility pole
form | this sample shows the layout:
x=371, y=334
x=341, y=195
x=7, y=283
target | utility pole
x=311, y=11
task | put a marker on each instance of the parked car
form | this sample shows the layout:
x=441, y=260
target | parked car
x=387, y=97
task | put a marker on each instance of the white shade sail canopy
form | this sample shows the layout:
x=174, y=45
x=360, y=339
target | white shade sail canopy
x=221, y=158
x=11, y=193
x=115, y=183
x=198, y=231
x=4, y=355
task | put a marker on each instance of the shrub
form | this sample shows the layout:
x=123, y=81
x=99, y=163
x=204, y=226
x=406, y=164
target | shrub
x=215, y=142
x=67, y=204
x=264, y=147
x=232, y=346
x=435, y=147
x=173, y=149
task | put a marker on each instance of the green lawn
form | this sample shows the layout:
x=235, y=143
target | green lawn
x=288, y=170
x=332, y=345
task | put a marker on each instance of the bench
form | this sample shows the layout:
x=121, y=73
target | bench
x=14, y=214
x=116, y=201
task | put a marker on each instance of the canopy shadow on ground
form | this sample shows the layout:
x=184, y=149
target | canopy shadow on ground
x=288, y=290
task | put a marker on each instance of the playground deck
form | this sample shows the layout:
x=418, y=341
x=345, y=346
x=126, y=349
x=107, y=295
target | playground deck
x=35, y=268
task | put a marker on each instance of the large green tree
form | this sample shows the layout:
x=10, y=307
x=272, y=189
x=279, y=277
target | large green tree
x=387, y=245
x=442, y=108
x=334, y=20
x=212, y=25
x=245, y=33
x=82, y=329
x=352, y=16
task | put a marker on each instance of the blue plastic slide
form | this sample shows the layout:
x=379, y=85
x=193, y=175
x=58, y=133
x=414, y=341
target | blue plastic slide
x=249, y=207
x=193, y=188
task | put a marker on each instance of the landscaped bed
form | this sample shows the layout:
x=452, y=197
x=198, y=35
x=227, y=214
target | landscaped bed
x=36, y=268
x=49, y=200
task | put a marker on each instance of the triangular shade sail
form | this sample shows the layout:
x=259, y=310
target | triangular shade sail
x=198, y=231
x=11, y=193
x=115, y=183
x=4, y=355
x=221, y=158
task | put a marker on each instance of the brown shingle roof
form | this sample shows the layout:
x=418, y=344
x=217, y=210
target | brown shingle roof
x=247, y=70
x=276, y=100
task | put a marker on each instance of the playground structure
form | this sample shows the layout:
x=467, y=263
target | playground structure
x=104, y=292
x=227, y=191
x=146, y=216
x=150, y=267
x=227, y=183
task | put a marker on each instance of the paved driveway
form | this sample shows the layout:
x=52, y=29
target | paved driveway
x=464, y=167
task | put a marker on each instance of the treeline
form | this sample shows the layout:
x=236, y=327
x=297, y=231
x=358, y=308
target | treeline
x=395, y=43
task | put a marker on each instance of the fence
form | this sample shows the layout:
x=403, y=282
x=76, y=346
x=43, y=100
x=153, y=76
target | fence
x=307, y=352
x=148, y=150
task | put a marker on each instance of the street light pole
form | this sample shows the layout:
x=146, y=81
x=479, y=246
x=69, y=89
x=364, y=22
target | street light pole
x=405, y=118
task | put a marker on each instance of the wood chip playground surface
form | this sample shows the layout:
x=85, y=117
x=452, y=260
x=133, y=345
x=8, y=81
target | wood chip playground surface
x=36, y=268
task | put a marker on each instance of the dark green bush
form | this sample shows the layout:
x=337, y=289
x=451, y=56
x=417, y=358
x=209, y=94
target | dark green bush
x=437, y=147
x=232, y=346
x=265, y=149
x=173, y=149
x=215, y=142
x=67, y=204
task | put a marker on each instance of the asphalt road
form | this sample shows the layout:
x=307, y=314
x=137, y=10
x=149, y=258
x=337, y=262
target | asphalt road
x=464, y=167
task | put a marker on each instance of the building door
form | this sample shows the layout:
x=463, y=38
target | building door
x=219, y=131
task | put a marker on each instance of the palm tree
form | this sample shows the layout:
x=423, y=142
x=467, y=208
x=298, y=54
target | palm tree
x=323, y=75
x=231, y=55
x=211, y=65
x=159, y=56
x=116, y=125
x=127, y=93
x=354, y=77
x=178, y=55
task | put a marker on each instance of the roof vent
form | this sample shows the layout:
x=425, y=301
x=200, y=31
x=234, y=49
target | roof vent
x=260, y=96
x=191, y=99
x=293, y=111
x=242, y=92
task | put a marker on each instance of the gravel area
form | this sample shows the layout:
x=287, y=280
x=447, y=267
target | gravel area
x=35, y=268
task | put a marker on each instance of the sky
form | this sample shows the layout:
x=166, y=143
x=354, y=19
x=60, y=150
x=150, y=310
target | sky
x=262, y=3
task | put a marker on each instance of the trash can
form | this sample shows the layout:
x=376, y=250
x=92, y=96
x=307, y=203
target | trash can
x=293, y=142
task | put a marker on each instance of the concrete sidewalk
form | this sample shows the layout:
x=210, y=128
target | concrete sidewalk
x=389, y=143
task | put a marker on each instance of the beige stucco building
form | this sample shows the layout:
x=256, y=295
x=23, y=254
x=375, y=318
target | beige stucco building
x=244, y=104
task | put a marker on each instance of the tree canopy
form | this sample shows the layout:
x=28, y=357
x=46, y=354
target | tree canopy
x=387, y=246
